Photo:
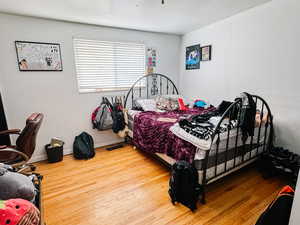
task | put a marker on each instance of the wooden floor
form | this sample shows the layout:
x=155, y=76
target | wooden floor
x=125, y=186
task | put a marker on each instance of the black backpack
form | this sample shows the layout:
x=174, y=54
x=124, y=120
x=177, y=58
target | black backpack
x=83, y=146
x=118, y=117
x=184, y=186
x=279, y=210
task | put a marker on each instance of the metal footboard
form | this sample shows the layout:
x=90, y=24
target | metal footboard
x=243, y=150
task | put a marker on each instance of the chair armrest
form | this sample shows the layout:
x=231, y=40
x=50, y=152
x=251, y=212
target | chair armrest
x=8, y=132
x=26, y=158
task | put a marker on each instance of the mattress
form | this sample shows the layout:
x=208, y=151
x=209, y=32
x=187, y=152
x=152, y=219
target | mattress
x=224, y=156
x=204, y=145
x=201, y=152
x=237, y=164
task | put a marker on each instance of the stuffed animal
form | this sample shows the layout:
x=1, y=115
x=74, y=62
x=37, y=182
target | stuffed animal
x=200, y=103
x=18, y=212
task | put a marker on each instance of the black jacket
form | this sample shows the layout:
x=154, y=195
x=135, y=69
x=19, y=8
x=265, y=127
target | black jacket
x=247, y=117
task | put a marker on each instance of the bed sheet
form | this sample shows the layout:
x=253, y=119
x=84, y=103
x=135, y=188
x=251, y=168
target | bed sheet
x=151, y=133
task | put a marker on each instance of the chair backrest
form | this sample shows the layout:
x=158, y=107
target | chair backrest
x=26, y=141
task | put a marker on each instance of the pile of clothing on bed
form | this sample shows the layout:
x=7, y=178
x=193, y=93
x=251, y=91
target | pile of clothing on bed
x=203, y=126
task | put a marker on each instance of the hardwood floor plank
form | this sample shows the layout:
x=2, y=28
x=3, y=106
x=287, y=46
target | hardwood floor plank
x=125, y=186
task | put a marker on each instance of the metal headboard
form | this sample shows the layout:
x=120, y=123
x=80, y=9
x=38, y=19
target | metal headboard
x=149, y=86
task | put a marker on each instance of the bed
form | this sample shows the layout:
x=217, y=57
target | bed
x=159, y=134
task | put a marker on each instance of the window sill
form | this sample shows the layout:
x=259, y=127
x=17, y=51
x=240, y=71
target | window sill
x=108, y=90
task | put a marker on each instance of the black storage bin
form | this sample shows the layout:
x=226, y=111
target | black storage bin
x=55, y=154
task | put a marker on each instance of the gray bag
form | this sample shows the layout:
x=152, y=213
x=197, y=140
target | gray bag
x=15, y=185
x=102, y=119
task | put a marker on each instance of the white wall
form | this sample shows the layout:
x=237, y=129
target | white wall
x=67, y=113
x=295, y=216
x=255, y=51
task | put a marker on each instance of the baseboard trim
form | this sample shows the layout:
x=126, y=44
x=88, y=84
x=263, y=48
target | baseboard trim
x=69, y=151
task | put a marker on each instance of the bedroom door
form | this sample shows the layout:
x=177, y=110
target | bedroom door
x=4, y=140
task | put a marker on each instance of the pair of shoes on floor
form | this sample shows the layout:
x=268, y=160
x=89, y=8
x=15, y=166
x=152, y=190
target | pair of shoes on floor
x=280, y=161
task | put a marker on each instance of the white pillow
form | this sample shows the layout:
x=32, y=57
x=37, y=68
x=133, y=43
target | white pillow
x=147, y=104
x=173, y=97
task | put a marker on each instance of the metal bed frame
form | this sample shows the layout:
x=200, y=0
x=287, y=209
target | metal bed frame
x=152, y=85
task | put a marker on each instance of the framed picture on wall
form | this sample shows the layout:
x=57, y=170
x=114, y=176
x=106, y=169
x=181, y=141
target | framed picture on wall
x=206, y=53
x=192, y=57
x=38, y=56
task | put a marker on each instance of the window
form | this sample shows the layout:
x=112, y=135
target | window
x=108, y=66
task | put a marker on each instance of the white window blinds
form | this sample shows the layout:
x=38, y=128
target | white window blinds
x=108, y=66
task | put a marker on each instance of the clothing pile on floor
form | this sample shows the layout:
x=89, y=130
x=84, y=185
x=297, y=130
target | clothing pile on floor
x=280, y=161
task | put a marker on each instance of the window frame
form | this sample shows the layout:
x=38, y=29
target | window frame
x=112, y=89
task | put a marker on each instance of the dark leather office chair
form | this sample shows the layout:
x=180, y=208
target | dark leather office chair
x=20, y=154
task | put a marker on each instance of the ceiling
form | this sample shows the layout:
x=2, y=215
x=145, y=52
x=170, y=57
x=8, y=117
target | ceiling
x=175, y=16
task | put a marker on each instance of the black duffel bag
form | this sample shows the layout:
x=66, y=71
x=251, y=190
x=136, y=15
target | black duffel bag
x=83, y=146
x=184, y=186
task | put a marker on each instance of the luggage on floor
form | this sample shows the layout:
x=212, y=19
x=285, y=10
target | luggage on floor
x=83, y=146
x=279, y=210
x=184, y=185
